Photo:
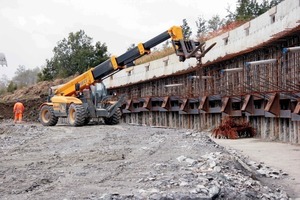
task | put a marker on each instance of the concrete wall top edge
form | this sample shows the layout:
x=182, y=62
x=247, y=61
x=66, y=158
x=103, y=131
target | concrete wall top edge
x=256, y=31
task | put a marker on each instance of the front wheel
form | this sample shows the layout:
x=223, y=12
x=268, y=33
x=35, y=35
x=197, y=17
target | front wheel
x=47, y=117
x=114, y=119
x=76, y=115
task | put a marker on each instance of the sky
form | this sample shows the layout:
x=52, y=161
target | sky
x=30, y=29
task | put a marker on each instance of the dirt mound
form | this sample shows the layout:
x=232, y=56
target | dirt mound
x=32, y=92
x=32, y=97
x=31, y=109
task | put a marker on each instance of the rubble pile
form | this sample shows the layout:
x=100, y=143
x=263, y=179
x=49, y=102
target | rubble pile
x=215, y=175
x=260, y=169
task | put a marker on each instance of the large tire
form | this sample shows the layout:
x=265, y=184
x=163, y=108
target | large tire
x=114, y=119
x=47, y=117
x=76, y=115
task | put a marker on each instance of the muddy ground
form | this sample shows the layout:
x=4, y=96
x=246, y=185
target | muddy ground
x=124, y=162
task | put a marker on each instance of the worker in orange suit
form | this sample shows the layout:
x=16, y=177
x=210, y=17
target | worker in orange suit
x=18, y=110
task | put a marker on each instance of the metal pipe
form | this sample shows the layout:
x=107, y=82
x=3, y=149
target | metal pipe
x=290, y=49
x=232, y=70
x=194, y=77
x=206, y=77
x=259, y=62
x=174, y=85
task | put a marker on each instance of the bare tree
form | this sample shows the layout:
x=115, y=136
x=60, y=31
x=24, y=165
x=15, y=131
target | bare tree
x=25, y=77
x=215, y=23
x=201, y=27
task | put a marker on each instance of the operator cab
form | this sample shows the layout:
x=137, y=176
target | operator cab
x=99, y=91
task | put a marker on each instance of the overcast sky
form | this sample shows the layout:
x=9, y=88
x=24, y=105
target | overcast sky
x=30, y=29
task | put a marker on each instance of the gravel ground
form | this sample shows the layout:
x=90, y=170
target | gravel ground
x=125, y=162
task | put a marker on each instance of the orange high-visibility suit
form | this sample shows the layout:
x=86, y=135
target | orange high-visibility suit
x=18, y=110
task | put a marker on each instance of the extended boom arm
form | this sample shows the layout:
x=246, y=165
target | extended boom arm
x=183, y=48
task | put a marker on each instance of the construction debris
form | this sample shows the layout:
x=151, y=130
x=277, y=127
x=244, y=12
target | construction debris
x=233, y=129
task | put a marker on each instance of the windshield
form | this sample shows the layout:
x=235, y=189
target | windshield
x=100, y=89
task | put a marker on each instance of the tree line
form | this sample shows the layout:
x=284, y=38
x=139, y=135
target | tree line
x=246, y=10
x=76, y=53
x=23, y=78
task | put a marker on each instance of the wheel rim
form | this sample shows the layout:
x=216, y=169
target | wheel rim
x=46, y=116
x=72, y=115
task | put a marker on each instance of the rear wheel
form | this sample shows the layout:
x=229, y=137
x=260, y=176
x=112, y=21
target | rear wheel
x=114, y=119
x=76, y=115
x=47, y=117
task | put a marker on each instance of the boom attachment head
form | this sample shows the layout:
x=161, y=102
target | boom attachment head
x=186, y=48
